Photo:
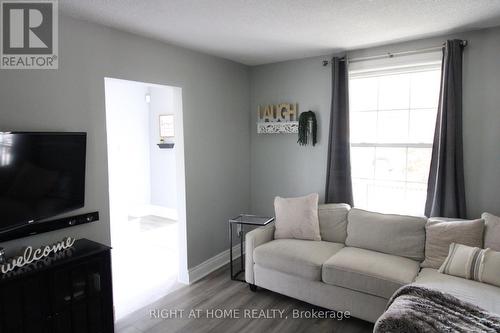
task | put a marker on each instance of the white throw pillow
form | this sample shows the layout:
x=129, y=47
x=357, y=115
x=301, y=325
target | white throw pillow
x=463, y=261
x=472, y=263
x=491, y=231
x=297, y=217
x=490, y=272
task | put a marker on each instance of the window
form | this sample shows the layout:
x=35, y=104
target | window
x=392, y=115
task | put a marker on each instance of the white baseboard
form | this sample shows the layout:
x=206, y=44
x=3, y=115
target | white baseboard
x=208, y=266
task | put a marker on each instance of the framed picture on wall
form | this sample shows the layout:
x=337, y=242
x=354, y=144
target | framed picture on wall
x=166, y=126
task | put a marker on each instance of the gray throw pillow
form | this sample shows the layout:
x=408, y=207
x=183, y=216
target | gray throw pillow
x=441, y=234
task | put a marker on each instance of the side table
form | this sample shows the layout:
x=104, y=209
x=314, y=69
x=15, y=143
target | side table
x=243, y=220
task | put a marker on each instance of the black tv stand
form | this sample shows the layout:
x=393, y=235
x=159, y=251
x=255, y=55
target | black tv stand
x=67, y=292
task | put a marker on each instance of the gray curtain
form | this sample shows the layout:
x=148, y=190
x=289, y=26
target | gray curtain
x=338, y=173
x=446, y=189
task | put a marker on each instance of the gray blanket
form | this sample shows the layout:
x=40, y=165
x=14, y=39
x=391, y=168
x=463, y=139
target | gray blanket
x=415, y=308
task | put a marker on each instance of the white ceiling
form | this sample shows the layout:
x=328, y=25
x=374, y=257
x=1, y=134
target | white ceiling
x=263, y=31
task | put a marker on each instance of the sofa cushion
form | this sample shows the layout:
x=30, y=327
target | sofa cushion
x=368, y=271
x=333, y=222
x=481, y=294
x=399, y=235
x=491, y=231
x=297, y=257
x=297, y=217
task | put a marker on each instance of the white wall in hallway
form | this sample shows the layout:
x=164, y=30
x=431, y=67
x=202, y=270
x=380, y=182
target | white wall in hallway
x=163, y=169
x=127, y=124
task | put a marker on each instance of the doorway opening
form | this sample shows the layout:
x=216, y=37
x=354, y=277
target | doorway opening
x=146, y=192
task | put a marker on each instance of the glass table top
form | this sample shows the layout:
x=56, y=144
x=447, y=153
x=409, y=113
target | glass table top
x=252, y=219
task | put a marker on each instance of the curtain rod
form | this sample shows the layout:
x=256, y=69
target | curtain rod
x=395, y=54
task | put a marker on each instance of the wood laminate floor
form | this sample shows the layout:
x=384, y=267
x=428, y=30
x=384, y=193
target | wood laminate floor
x=216, y=296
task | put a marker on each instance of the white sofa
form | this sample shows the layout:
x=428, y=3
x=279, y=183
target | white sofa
x=362, y=259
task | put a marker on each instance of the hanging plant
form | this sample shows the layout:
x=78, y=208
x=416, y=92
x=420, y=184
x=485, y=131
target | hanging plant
x=308, y=128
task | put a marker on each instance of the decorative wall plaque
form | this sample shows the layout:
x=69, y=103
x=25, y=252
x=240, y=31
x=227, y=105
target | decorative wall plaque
x=166, y=126
x=272, y=128
x=278, y=118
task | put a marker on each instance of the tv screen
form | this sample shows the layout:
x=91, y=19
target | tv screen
x=41, y=175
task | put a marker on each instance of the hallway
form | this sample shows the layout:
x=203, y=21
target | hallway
x=147, y=279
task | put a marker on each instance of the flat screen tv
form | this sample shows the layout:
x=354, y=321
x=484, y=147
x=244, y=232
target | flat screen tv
x=41, y=175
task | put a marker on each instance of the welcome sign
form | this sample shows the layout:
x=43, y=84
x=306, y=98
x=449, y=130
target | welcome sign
x=29, y=255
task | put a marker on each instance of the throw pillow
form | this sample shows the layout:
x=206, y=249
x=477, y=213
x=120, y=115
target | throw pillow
x=472, y=263
x=463, y=261
x=490, y=272
x=297, y=217
x=440, y=234
x=491, y=231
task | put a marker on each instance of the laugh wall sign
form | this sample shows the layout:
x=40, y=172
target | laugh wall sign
x=29, y=255
x=277, y=118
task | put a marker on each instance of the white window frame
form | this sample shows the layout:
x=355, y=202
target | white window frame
x=393, y=71
x=381, y=71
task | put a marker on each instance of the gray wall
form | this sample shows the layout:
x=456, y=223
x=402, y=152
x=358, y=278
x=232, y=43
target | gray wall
x=281, y=167
x=215, y=111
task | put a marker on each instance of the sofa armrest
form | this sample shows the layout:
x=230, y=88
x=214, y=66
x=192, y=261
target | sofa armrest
x=253, y=239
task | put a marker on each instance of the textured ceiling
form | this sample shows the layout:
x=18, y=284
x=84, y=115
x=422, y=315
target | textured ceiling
x=263, y=31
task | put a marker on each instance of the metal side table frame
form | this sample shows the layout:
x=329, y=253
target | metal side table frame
x=243, y=220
